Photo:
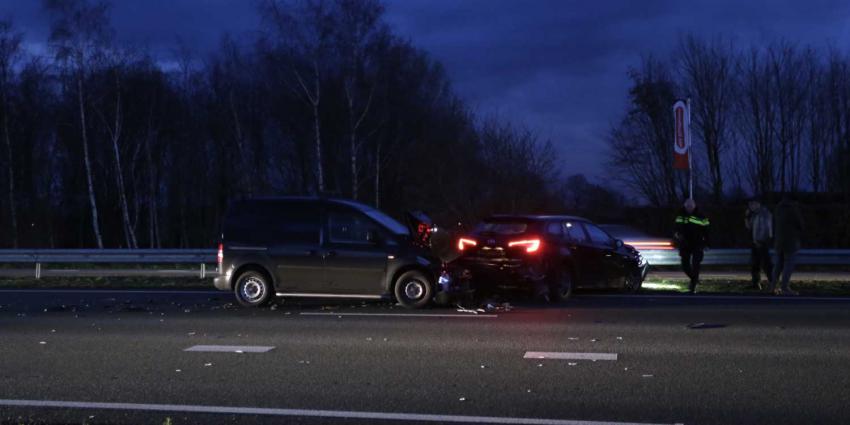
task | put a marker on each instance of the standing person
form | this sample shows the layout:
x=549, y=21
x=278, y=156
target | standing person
x=759, y=222
x=788, y=228
x=692, y=239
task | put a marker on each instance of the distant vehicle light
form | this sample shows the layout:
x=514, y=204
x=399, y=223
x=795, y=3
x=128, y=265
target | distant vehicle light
x=464, y=242
x=531, y=245
x=650, y=245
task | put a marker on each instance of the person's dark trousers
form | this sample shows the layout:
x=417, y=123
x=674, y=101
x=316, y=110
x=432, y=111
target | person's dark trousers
x=691, y=260
x=760, y=261
x=785, y=261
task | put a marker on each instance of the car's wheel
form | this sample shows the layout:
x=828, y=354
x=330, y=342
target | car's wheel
x=253, y=289
x=413, y=289
x=561, y=286
x=633, y=282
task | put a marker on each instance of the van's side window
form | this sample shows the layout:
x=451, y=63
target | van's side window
x=350, y=227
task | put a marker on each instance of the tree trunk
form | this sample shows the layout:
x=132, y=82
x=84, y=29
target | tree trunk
x=87, y=162
x=129, y=234
x=378, y=176
x=153, y=231
x=10, y=168
x=320, y=179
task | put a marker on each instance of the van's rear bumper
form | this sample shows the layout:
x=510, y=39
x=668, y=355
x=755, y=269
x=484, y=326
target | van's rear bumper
x=222, y=282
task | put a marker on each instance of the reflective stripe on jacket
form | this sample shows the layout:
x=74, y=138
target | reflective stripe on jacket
x=691, y=230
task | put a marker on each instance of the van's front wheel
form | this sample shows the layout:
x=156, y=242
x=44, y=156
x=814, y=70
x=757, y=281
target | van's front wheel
x=413, y=289
x=253, y=289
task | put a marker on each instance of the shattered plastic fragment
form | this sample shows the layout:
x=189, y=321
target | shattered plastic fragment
x=42, y=342
x=462, y=399
x=207, y=364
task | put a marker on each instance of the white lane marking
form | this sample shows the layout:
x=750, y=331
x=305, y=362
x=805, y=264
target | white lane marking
x=114, y=291
x=413, y=417
x=230, y=348
x=569, y=356
x=468, y=316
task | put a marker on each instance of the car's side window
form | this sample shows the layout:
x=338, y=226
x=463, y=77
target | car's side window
x=350, y=227
x=597, y=235
x=554, y=229
x=574, y=232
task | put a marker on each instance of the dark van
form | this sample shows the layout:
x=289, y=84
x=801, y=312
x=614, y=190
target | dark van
x=319, y=247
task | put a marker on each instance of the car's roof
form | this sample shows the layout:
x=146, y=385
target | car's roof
x=536, y=217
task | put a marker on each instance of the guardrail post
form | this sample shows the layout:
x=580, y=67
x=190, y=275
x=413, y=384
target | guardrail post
x=203, y=270
x=38, y=270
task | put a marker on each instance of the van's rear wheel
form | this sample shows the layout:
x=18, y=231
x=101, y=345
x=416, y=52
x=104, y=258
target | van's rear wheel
x=253, y=289
x=413, y=289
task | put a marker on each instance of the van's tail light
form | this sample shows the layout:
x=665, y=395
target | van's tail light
x=462, y=243
x=530, y=245
x=220, y=256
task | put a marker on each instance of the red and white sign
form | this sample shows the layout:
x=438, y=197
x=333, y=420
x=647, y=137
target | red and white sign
x=682, y=135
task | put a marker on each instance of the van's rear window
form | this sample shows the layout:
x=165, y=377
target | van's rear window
x=502, y=227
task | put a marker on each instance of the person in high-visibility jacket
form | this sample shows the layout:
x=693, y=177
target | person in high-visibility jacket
x=691, y=238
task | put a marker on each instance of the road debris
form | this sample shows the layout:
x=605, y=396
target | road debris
x=702, y=325
x=462, y=309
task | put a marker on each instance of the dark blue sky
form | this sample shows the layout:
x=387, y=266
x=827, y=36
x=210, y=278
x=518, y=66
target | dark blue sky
x=558, y=66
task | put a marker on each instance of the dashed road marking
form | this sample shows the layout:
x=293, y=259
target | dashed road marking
x=339, y=414
x=464, y=316
x=569, y=356
x=230, y=348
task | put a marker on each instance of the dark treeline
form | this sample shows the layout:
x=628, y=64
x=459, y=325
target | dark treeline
x=765, y=120
x=104, y=145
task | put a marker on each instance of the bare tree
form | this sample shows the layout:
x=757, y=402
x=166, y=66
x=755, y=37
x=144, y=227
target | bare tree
x=10, y=49
x=114, y=127
x=78, y=33
x=357, y=36
x=641, y=145
x=755, y=122
x=306, y=29
x=791, y=83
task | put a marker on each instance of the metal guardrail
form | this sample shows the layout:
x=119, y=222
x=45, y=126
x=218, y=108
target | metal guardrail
x=202, y=257
x=41, y=257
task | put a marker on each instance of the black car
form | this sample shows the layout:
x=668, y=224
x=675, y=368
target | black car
x=318, y=247
x=548, y=256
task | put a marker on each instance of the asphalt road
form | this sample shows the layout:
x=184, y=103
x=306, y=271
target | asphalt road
x=679, y=359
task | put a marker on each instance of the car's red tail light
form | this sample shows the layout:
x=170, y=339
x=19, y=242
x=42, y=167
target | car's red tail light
x=220, y=256
x=462, y=243
x=530, y=245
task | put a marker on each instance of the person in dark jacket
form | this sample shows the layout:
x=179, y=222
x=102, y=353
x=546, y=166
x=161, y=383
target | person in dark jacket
x=691, y=238
x=759, y=222
x=788, y=228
